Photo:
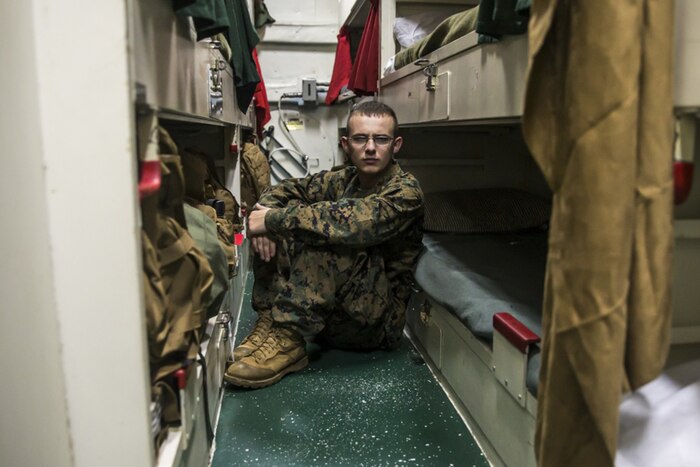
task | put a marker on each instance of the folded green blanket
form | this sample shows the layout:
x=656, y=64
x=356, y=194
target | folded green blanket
x=449, y=30
x=491, y=19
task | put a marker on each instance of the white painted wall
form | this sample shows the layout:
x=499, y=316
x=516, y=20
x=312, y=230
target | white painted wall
x=285, y=65
x=74, y=383
x=85, y=119
x=301, y=44
x=318, y=137
x=33, y=410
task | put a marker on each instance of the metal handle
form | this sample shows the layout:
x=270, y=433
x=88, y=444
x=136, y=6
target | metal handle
x=216, y=84
x=430, y=71
x=224, y=321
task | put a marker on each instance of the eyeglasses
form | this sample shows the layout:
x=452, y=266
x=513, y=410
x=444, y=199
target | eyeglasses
x=362, y=140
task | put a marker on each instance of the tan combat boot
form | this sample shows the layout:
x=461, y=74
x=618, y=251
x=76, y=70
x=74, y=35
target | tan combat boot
x=256, y=337
x=283, y=352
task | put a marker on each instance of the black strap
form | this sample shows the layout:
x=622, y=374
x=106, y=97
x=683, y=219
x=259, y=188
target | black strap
x=207, y=418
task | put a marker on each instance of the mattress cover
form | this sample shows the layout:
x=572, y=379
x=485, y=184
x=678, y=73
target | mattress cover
x=477, y=276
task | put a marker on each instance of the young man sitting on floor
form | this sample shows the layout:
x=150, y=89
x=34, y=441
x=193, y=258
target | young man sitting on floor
x=335, y=255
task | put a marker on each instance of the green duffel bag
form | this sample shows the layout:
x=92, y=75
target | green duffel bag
x=204, y=232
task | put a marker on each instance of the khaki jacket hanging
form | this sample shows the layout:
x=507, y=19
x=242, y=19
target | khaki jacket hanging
x=598, y=120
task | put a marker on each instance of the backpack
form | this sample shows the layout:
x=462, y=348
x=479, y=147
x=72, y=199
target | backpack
x=157, y=324
x=203, y=184
x=203, y=188
x=202, y=226
x=177, y=286
x=255, y=175
x=186, y=275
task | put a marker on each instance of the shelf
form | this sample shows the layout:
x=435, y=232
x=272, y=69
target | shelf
x=189, y=445
x=173, y=71
x=177, y=116
x=170, y=449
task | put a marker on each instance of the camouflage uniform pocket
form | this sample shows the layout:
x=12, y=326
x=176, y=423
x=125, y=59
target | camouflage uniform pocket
x=365, y=295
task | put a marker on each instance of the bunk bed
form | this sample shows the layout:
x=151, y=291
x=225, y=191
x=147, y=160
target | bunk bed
x=455, y=77
x=472, y=272
x=476, y=313
x=457, y=102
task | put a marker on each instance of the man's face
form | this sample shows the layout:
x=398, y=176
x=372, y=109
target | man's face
x=371, y=144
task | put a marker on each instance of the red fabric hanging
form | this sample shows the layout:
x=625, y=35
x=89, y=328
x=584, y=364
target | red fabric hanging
x=262, y=105
x=341, y=67
x=365, y=70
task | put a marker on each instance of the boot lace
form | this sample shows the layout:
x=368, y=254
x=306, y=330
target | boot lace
x=260, y=331
x=276, y=342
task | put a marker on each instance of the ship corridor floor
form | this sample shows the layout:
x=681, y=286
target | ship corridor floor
x=345, y=409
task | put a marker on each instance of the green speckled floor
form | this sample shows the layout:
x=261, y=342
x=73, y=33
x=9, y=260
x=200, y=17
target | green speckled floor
x=346, y=409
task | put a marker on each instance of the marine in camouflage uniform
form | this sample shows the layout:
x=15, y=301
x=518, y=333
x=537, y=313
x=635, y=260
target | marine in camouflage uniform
x=346, y=243
x=346, y=258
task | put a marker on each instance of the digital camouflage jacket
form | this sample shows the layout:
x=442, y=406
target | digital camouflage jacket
x=330, y=208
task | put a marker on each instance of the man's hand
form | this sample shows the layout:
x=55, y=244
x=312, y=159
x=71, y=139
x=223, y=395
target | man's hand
x=264, y=247
x=256, y=220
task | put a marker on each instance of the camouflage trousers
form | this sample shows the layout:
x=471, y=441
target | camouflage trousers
x=338, y=293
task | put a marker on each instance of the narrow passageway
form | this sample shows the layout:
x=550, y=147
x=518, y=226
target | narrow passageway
x=346, y=409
